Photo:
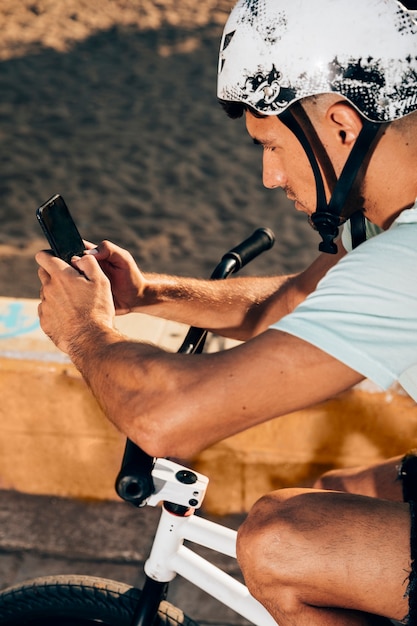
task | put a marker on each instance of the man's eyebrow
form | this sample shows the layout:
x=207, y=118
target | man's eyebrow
x=256, y=141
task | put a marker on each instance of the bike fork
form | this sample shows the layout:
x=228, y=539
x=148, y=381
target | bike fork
x=153, y=593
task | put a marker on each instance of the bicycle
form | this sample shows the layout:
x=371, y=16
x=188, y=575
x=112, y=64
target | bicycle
x=71, y=600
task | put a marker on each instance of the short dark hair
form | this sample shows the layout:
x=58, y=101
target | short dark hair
x=234, y=110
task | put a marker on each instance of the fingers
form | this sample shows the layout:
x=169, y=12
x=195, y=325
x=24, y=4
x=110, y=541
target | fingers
x=89, y=245
x=96, y=260
x=88, y=266
x=41, y=256
x=103, y=251
x=109, y=252
x=44, y=277
x=50, y=265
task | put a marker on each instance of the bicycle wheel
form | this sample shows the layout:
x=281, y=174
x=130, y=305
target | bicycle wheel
x=78, y=601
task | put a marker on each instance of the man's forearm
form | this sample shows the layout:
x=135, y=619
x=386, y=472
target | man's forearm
x=239, y=308
x=122, y=376
x=379, y=480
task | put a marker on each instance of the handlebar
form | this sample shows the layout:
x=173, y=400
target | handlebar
x=261, y=240
x=134, y=481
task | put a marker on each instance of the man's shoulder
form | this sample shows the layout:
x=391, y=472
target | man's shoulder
x=406, y=217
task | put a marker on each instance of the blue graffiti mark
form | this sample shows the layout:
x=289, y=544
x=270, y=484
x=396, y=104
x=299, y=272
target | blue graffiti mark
x=14, y=321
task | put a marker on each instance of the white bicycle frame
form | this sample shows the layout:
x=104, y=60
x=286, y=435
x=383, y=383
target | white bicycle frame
x=169, y=556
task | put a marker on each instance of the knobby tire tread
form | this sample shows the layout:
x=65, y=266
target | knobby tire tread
x=78, y=600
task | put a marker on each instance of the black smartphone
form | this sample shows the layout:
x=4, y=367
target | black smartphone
x=59, y=229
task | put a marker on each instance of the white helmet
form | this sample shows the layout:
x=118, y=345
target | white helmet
x=274, y=52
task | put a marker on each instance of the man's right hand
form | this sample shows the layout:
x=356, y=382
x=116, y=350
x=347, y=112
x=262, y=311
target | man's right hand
x=127, y=281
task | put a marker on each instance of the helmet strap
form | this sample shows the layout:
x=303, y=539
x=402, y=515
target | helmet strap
x=328, y=215
x=357, y=228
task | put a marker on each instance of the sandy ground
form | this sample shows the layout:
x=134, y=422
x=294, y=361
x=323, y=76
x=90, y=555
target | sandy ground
x=113, y=105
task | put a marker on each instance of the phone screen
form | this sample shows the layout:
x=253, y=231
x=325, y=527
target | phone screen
x=60, y=229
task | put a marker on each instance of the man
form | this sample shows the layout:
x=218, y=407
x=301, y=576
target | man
x=328, y=89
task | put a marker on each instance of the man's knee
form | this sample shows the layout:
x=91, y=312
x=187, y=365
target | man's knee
x=268, y=541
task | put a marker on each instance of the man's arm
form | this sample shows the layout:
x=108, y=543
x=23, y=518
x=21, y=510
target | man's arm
x=379, y=480
x=240, y=307
x=173, y=404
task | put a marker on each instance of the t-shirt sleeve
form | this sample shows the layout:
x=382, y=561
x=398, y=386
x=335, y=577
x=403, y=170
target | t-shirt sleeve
x=364, y=311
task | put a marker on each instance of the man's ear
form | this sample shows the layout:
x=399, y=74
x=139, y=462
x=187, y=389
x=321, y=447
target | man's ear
x=345, y=121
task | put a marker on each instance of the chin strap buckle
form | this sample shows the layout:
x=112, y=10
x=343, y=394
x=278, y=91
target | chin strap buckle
x=327, y=226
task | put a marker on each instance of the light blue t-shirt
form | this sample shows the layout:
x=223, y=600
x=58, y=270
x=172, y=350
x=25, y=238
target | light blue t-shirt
x=364, y=311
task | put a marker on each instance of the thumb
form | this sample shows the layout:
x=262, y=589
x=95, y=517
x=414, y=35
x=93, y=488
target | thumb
x=88, y=266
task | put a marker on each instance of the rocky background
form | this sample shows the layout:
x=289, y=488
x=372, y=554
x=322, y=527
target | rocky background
x=112, y=103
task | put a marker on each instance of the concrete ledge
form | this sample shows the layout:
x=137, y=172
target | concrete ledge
x=54, y=439
x=359, y=427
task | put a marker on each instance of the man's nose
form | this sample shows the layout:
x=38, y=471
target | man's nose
x=273, y=174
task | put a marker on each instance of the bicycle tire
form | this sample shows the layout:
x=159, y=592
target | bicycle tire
x=71, y=600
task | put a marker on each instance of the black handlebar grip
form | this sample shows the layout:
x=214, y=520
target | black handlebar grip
x=134, y=482
x=261, y=240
